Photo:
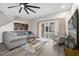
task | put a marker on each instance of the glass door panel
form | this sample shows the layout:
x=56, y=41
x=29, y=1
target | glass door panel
x=51, y=30
x=47, y=30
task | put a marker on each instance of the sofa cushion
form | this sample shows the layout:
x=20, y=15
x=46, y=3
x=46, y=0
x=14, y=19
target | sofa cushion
x=11, y=34
x=17, y=38
x=20, y=33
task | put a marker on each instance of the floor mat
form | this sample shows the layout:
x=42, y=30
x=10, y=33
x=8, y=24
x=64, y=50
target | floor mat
x=28, y=48
x=34, y=47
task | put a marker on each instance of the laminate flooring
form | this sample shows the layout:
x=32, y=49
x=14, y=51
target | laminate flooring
x=48, y=49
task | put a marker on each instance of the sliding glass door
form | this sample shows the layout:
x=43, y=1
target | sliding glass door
x=47, y=30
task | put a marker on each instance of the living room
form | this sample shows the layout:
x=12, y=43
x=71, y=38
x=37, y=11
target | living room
x=43, y=25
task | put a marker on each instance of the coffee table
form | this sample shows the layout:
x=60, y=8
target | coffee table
x=30, y=38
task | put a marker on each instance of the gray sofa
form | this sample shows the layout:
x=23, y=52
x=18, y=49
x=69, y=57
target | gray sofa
x=14, y=39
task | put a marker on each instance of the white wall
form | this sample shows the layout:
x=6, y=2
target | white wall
x=4, y=19
x=65, y=14
x=74, y=7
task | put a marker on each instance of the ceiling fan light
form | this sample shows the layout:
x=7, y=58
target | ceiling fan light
x=22, y=6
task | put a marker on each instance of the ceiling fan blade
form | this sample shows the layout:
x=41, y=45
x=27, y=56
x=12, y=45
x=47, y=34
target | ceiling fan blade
x=20, y=9
x=25, y=3
x=31, y=10
x=32, y=6
x=26, y=10
x=13, y=6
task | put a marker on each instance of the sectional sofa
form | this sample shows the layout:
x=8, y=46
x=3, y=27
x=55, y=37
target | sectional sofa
x=14, y=39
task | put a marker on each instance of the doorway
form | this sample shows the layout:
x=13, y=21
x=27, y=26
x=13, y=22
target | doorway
x=46, y=29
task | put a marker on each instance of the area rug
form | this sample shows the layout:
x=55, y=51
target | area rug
x=33, y=47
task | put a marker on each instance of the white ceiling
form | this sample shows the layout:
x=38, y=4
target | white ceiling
x=45, y=9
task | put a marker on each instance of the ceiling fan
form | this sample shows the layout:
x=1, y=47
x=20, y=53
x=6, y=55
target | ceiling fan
x=25, y=6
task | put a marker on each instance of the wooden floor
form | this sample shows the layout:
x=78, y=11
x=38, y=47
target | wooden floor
x=48, y=49
x=3, y=49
